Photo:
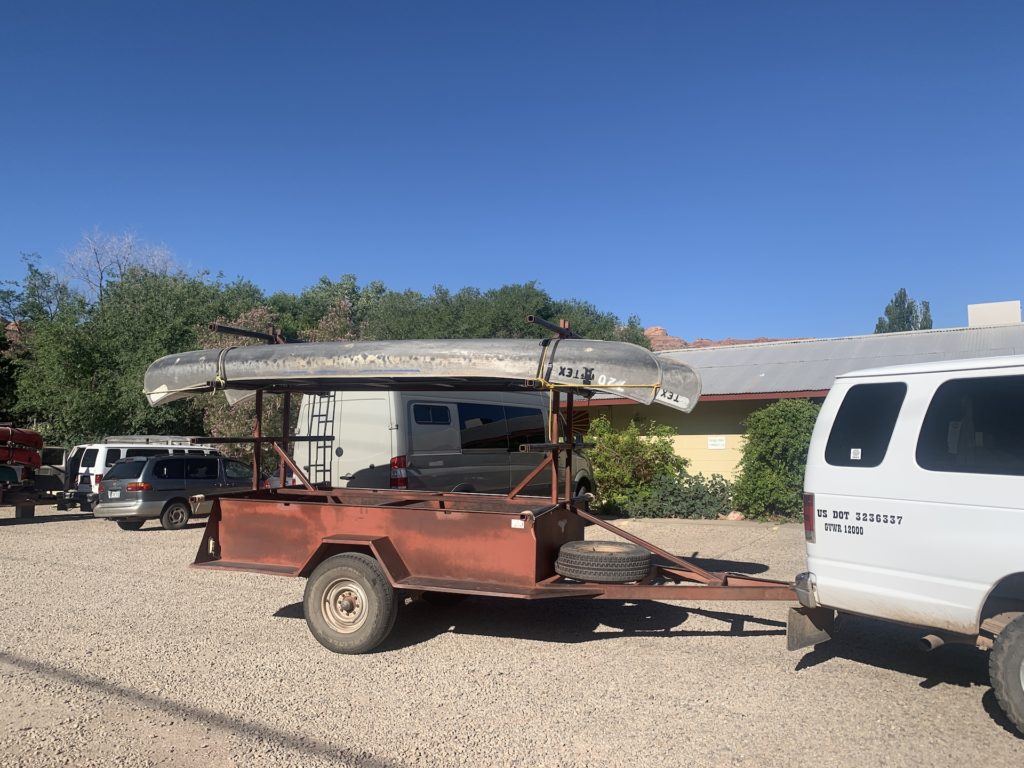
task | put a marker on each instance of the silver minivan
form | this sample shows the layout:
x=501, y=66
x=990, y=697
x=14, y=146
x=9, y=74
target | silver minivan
x=461, y=442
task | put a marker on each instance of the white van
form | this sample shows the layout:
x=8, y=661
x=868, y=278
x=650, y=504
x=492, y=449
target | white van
x=86, y=464
x=466, y=441
x=914, y=506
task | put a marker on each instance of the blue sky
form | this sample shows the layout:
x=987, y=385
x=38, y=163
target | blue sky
x=721, y=169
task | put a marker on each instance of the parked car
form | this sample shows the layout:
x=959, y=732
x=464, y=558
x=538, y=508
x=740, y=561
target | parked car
x=431, y=441
x=914, y=507
x=87, y=464
x=159, y=487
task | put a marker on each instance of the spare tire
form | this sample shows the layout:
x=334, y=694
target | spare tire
x=609, y=562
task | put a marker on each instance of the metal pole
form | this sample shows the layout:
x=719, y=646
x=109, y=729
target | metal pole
x=286, y=423
x=257, y=433
x=569, y=436
x=553, y=430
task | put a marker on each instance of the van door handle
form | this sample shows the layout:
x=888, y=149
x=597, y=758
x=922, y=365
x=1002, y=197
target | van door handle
x=345, y=477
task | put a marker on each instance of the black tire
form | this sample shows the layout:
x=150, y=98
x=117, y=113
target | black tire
x=130, y=525
x=1006, y=670
x=609, y=562
x=442, y=599
x=175, y=516
x=350, y=607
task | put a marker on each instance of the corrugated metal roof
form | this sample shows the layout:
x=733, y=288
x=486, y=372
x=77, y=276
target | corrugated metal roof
x=813, y=364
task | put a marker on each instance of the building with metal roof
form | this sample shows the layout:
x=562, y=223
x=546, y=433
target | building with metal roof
x=738, y=379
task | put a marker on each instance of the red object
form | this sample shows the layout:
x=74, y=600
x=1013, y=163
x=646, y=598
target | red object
x=809, y=517
x=138, y=487
x=21, y=437
x=25, y=456
x=399, y=473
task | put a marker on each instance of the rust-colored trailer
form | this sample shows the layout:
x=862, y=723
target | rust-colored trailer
x=359, y=548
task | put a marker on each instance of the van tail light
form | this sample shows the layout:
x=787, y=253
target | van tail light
x=809, y=517
x=97, y=477
x=138, y=487
x=399, y=473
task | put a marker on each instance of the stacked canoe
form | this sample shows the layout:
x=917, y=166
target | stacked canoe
x=20, y=446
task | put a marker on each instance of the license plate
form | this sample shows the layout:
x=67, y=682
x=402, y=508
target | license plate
x=114, y=494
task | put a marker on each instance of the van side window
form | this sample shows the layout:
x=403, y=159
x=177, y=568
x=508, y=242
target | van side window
x=112, y=457
x=168, y=469
x=864, y=424
x=482, y=427
x=525, y=426
x=201, y=469
x=432, y=430
x=976, y=426
x=134, y=452
x=426, y=413
x=236, y=470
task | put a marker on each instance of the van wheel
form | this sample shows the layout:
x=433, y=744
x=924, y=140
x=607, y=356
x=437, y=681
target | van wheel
x=1006, y=669
x=350, y=607
x=609, y=562
x=175, y=516
x=130, y=525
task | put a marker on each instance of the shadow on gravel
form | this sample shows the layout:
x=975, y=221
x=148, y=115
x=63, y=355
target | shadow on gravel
x=733, y=566
x=245, y=730
x=557, y=621
x=155, y=527
x=893, y=647
x=61, y=518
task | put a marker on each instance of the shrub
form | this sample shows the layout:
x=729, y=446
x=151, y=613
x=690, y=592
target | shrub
x=683, y=495
x=771, y=475
x=627, y=459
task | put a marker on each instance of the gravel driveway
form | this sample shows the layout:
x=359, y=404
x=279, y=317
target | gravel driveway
x=113, y=652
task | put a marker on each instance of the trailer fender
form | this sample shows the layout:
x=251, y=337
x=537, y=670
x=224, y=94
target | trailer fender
x=380, y=548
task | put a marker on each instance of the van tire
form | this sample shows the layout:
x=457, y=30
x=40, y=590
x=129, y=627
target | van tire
x=609, y=562
x=130, y=525
x=175, y=515
x=1006, y=670
x=367, y=619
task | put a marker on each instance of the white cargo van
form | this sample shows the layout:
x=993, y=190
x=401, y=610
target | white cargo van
x=914, y=507
x=466, y=442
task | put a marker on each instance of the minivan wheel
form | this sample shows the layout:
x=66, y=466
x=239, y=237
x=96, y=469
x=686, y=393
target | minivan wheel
x=350, y=607
x=175, y=516
x=130, y=525
x=1006, y=670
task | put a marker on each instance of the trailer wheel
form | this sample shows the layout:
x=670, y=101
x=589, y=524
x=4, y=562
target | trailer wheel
x=610, y=562
x=175, y=516
x=350, y=607
x=1006, y=669
x=130, y=525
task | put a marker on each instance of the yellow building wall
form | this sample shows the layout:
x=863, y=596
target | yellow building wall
x=711, y=437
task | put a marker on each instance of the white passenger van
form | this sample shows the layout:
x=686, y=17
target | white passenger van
x=914, y=506
x=466, y=441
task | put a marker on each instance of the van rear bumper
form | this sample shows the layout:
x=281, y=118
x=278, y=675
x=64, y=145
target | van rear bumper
x=139, y=510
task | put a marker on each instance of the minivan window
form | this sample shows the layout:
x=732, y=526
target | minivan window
x=125, y=470
x=113, y=456
x=425, y=413
x=482, y=427
x=201, y=469
x=975, y=426
x=525, y=426
x=864, y=424
x=236, y=470
x=168, y=469
x=88, y=458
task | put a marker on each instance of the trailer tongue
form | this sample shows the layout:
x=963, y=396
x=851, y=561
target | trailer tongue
x=358, y=546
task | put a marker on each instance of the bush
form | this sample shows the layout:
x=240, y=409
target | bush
x=771, y=476
x=627, y=459
x=691, y=496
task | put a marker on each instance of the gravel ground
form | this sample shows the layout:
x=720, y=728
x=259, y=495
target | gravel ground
x=113, y=652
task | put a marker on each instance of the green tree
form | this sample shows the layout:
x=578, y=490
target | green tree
x=771, y=476
x=902, y=313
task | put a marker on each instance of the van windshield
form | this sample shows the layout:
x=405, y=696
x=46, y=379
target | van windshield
x=125, y=470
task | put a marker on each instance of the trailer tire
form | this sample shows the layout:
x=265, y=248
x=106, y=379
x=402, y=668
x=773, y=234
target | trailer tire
x=1006, y=670
x=130, y=525
x=609, y=562
x=350, y=607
